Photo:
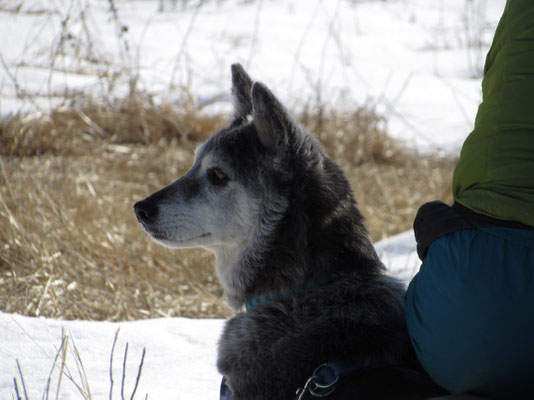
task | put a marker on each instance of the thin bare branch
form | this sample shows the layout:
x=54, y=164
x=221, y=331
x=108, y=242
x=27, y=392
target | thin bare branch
x=111, y=363
x=22, y=381
x=138, y=373
x=124, y=370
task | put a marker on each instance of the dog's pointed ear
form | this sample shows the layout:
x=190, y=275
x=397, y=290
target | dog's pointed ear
x=241, y=92
x=270, y=118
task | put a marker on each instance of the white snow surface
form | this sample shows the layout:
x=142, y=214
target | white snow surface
x=180, y=352
x=416, y=61
x=179, y=362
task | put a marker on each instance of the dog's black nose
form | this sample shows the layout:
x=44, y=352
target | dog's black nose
x=145, y=211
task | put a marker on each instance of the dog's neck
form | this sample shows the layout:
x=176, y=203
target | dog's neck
x=280, y=295
x=251, y=279
x=227, y=259
x=240, y=268
x=233, y=264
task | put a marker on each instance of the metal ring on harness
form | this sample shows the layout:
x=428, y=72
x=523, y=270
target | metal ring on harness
x=322, y=383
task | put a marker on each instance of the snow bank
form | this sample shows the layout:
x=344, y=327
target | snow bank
x=417, y=61
x=179, y=361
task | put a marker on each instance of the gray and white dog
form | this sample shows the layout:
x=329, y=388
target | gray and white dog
x=291, y=244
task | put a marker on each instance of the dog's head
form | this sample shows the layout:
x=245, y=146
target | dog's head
x=265, y=198
x=236, y=188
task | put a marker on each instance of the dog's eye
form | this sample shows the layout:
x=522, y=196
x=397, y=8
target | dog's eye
x=217, y=177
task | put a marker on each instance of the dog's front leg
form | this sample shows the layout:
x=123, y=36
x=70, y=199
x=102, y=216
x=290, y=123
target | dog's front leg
x=254, y=358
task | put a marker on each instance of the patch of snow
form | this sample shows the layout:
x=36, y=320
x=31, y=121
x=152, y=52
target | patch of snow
x=179, y=361
x=417, y=61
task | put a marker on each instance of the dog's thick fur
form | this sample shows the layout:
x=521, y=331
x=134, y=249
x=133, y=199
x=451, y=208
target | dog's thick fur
x=279, y=213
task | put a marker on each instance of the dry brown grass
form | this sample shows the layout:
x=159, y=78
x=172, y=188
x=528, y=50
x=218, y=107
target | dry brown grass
x=70, y=246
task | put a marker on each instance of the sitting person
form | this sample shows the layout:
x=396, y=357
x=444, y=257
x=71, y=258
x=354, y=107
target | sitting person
x=470, y=308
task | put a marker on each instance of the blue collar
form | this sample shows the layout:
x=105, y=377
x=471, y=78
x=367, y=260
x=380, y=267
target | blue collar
x=259, y=300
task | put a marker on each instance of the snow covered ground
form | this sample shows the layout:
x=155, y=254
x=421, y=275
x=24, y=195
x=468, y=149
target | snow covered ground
x=180, y=353
x=179, y=361
x=418, y=61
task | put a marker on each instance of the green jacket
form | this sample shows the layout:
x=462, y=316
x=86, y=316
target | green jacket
x=495, y=173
